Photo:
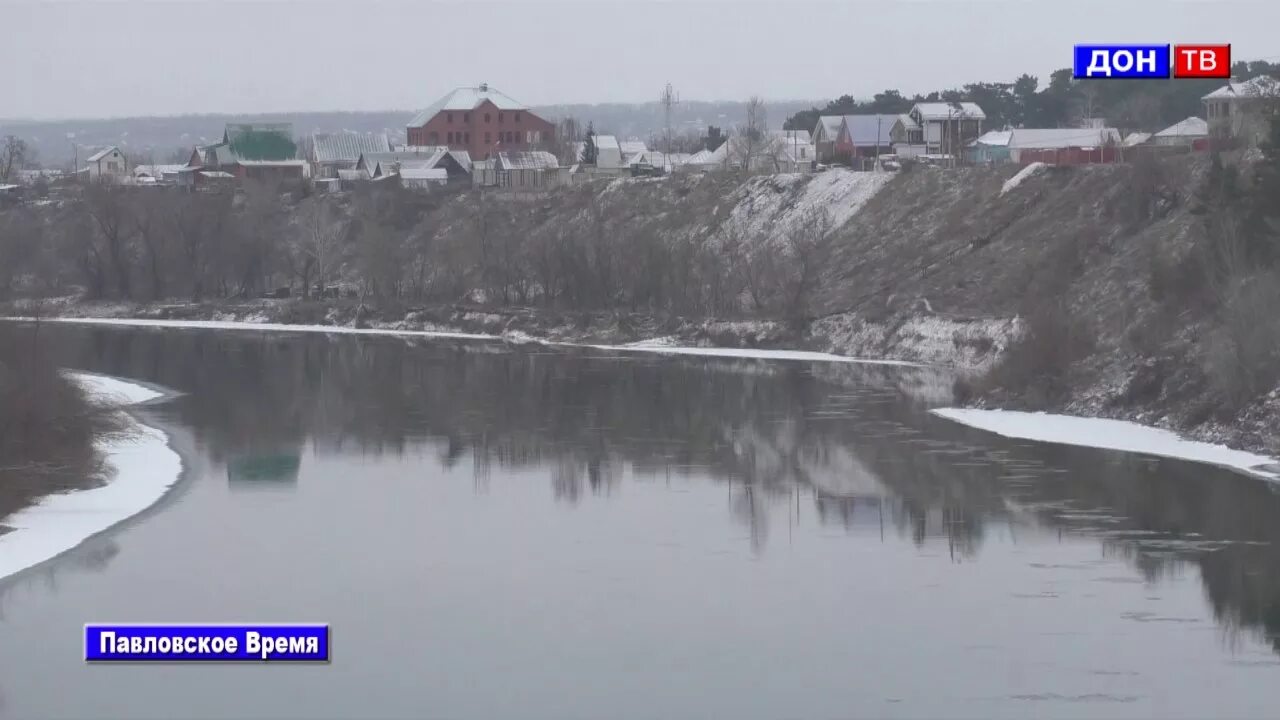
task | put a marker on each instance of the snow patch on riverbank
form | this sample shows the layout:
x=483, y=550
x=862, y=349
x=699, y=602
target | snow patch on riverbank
x=1110, y=435
x=1023, y=174
x=519, y=338
x=143, y=467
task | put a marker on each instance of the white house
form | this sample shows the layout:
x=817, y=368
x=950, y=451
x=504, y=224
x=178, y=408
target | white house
x=944, y=127
x=107, y=165
x=824, y=136
x=608, y=153
x=1184, y=132
x=1238, y=109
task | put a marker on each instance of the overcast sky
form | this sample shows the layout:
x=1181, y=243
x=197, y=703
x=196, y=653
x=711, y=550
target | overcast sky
x=121, y=58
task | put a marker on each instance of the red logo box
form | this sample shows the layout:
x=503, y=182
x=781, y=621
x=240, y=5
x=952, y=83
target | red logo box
x=1202, y=61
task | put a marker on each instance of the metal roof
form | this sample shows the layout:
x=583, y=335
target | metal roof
x=607, y=142
x=261, y=141
x=1261, y=86
x=1137, y=138
x=1191, y=127
x=869, y=129
x=102, y=153
x=424, y=174
x=830, y=125
x=466, y=98
x=998, y=138
x=948, y=111
x=1032, y=139
x=428, y=154
x=631, y=147
x=527, y=160
x=346, y=146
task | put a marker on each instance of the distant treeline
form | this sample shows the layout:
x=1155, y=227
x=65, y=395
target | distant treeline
x=1063, y=102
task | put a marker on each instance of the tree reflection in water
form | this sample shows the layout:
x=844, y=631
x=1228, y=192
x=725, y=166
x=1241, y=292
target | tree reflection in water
x=854, y=440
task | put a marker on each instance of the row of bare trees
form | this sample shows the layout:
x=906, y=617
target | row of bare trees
x=583, y=249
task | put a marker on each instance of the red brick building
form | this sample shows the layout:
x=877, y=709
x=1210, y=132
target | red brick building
x=481, y=121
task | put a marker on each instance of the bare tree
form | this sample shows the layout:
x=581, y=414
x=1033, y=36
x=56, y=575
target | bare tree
x=754, y=149
x=13, y=155
x=315, y=249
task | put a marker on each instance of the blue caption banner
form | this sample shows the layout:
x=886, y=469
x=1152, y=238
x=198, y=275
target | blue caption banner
x=1121, y=61
x=143, y=642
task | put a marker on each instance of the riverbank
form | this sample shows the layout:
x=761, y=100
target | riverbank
x=137, y=468
x=1083, y=428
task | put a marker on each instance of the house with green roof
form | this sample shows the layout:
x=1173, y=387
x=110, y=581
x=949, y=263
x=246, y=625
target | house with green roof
x=256, y=151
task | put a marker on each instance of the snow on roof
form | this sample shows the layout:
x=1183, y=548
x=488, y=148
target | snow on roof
x=425, y=154
x=527, y=160
x=946, y=110
x=1036, y=138
x=346, y=146
x=1261, y=86
x=413, y=173
x=463, y=158
x=216, y=174
x=466, y=98
x=102, y=153
x=1191, y=127
x=7, y=188
x=271, y=163
x=156, y=171
x=631, y=147
x=1136, y=138
x=702, y=157
x=607, y=142
x=908, y=122
x=869, y=129
x=998, y=138
x=830, y=125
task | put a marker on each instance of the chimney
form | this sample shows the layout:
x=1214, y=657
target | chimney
x=484, y=87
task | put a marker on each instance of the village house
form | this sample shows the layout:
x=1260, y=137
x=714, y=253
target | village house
x=331, y=152
x=106, y=165
x=1064, y=146
x=1192, y=131
x=824, y=136
x=456, y=164
x=145, y=174
x=608, y=153
x=940, y=128
x=1238, y=109
x=481, y=121
x=263, y=151
x=864, y=136
x=990, y=147
x=529, y=170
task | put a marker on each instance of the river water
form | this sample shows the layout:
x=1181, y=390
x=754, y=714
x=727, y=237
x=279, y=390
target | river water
x=498, y=531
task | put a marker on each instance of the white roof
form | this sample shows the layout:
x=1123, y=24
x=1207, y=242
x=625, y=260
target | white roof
x=466, y=98
x=1261, y=86
x=994, y=137
x=1037, y=138
x=272, y=163
x=607, y=142
x=102, y=153
x=409, y=173
x=1191, y=127
x=631, y=147
x=1136, y=138
x=908, y=122
x=216, y=174
x=830, y=125
x=945, y=110
x=156, y=171
x=527, y=160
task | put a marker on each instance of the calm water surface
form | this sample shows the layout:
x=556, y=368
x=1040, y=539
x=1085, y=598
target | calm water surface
x=503, y=532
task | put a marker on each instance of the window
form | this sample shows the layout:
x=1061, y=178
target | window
x=435, y=138
x=802, y=152
x=468, y=138
x=466, y=117
x=486, y=118
x=501, y=118
x=448, y=117
x=517, y=117
x=487, y=140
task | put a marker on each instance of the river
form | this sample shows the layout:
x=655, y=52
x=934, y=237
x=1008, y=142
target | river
x=500, y=531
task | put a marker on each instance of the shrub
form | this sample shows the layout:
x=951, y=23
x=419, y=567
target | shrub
x=1035, y=367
